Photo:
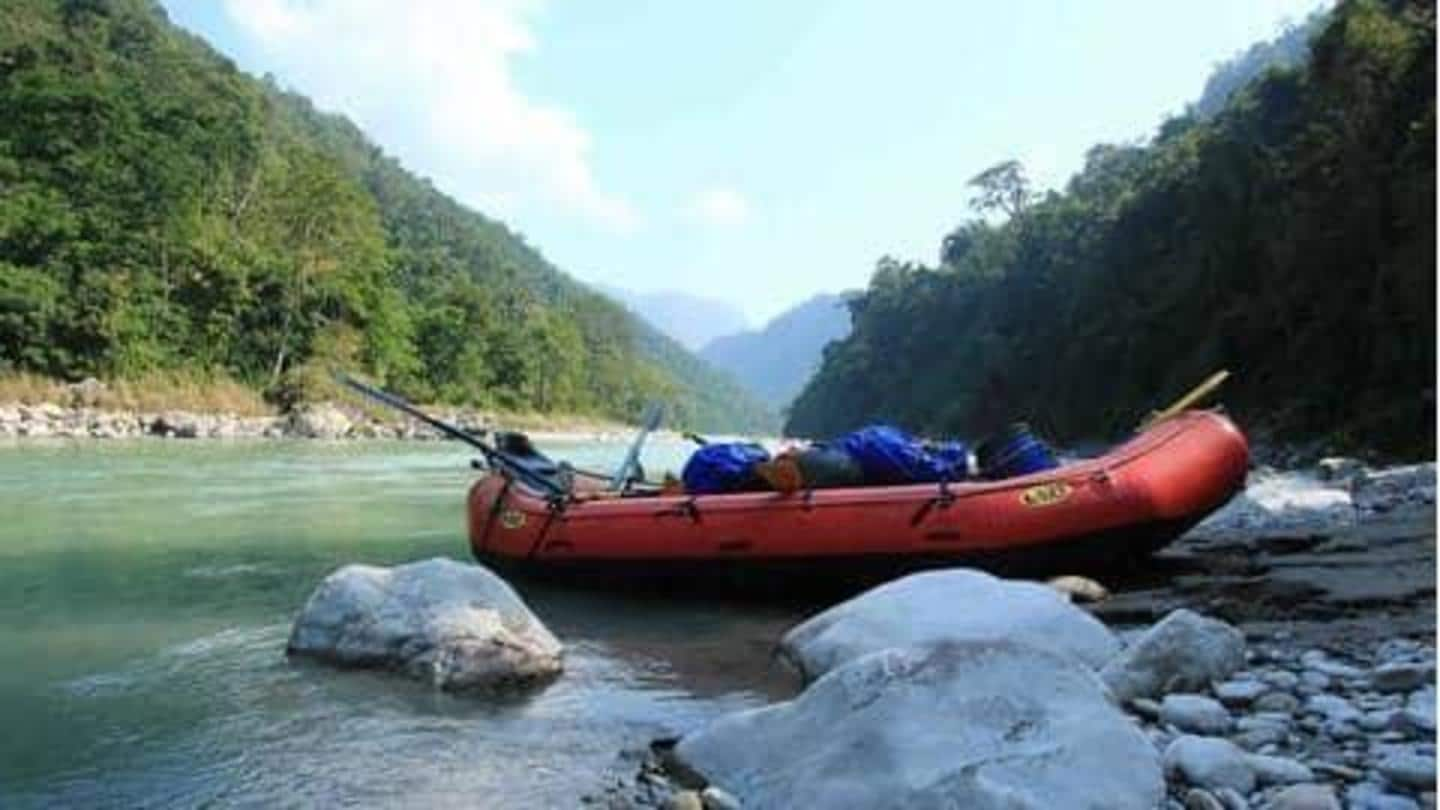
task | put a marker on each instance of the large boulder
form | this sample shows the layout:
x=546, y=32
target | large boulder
x=974, y=724
x=951, y=605
x=455, y=625
x=1283, y=502
x=1183, y=652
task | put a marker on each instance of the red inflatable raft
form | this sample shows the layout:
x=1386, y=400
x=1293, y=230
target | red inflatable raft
x=1124, y=504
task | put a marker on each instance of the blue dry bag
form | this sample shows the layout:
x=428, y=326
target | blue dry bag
x=890, y=456
x=723, y=467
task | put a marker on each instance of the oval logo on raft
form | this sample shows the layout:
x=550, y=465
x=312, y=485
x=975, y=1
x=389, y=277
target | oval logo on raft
x=1045, y=494
x=512, y=518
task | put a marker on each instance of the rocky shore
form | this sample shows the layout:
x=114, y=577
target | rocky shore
x=327, y=421
x=1281, y=655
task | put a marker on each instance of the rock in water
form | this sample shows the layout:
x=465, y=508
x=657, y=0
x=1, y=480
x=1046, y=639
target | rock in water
x=974, y=724
x=952, y=605
x=453, y=624
x=1182, y=652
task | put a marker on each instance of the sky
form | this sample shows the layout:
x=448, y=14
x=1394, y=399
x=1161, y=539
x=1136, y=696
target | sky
x=750, y=151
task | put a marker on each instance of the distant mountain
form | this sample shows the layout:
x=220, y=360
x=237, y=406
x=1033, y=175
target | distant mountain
x=691, y=319
x=776, y=361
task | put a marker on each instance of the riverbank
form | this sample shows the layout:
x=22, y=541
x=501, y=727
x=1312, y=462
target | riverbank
x=326, y=420
x=1322, y=580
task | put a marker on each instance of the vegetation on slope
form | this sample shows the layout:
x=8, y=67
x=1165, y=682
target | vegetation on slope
x=160, y=211
x=1289, y=238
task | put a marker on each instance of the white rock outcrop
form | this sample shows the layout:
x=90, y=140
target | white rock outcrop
x=455, y=625
x=951, y=605
x=974, y=724
x=1183, y=652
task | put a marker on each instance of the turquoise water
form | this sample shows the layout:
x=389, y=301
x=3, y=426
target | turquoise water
x=147, y=588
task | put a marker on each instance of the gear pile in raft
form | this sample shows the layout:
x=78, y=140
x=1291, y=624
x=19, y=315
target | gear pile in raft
x=873, y=456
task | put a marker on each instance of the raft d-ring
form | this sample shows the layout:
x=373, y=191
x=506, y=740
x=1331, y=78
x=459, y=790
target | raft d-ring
x=1102, y=477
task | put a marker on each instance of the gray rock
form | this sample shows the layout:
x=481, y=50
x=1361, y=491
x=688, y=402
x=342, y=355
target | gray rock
x=1413, y=771
x=1195, y=713
x=1371, y=796
x=1079, y=589
x=716, y=799
x=320, y=421
x=1209, y=763
x=1282, y=679
x=1334, y=709
x=1280, y=702
x=951, y=605
x=1338, y=469
x=1146, y=708
x=684, y=800
x=976, y=724
x=1200, y=799
x=1184, y=651
x=455, y=625
x=1395, y=488
x=1239, y=693
x=1305, y=797
x=1254, y=739
x=1286, y=502
x=1279, y=770
x=1401, y=677
x=1419, y=712
x=1232, y=799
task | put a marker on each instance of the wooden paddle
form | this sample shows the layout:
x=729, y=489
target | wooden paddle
x=1184, y=403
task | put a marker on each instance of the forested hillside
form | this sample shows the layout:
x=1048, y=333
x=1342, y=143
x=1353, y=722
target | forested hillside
x=160, y=210
x=776, y=360
x=1289, y=238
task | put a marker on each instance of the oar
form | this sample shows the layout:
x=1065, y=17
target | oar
x=1191, y=397
x=649, y=422
x=496, y=458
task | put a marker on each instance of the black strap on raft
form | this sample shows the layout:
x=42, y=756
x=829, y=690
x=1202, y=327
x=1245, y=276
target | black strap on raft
x=941, y=500
x=686, y=508
x=495, y=507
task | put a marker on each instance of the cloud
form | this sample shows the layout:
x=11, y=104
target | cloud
x=720, y=206
x=432, y=81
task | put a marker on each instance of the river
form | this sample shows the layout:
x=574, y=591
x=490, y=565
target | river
x=147, y=589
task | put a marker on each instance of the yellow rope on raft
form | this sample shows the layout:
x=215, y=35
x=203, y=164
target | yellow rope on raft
x=1194, y=395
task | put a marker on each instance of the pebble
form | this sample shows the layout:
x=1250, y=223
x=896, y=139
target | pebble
x=1200, y=799
x=1282, y=702
x=1408, y=770
x=1279, y=770
x=1145, y=707
x=684, y=800
x=1209, y=762
x=1370, y=796
x=1282, y=679
x=1305, y=797
x=1335, y=709
x=1195, y=713
x=1232, y=799
x=1401, y=677
x=716, y=799
x=1239, y=693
